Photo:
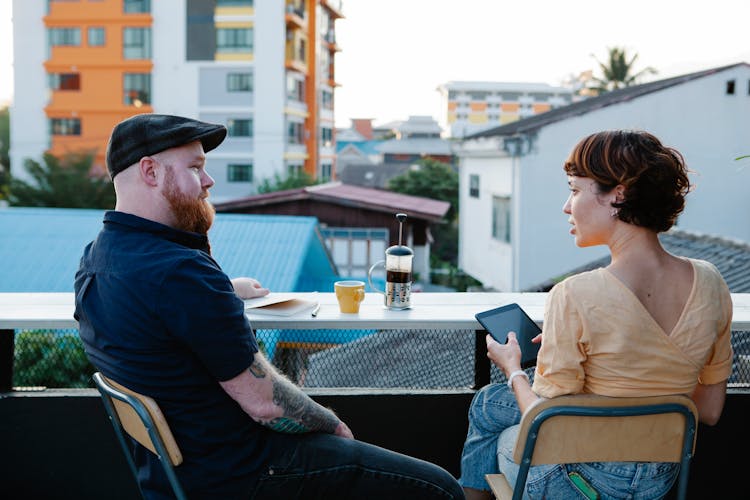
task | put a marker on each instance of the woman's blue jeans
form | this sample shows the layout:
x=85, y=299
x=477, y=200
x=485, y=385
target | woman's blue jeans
x=493, y=428
x=326, y=466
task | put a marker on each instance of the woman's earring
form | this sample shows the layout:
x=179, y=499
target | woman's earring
x=615, y=212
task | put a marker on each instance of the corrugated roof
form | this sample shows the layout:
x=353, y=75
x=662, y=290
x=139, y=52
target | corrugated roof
x=41, y=249
x=484, y=86
x=418, y=146
x=365, y=147
x=731, y=257
x=348, y=195
x=538, y=121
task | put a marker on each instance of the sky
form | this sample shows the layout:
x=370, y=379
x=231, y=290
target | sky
x=395, y=53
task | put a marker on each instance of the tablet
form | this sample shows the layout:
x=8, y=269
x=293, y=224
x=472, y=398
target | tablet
x=501, y=320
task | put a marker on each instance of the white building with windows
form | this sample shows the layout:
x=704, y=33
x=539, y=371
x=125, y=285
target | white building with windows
x=513, y=234
x=81, y=67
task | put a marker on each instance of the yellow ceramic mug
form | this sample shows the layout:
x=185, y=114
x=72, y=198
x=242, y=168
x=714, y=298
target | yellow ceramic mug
x=349, y=294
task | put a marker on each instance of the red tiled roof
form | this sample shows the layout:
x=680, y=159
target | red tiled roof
x=350, y=195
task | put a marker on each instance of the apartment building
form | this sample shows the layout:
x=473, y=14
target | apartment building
x=472, y=107
x=265, y=69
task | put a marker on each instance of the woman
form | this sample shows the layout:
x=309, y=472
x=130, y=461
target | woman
x=651, y=323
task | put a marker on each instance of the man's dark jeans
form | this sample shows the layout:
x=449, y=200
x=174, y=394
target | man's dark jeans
x=321, y=466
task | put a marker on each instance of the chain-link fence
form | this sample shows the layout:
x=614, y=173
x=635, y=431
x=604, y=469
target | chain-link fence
x=414, y=359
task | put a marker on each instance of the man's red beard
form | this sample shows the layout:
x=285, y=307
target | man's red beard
x=191, y=214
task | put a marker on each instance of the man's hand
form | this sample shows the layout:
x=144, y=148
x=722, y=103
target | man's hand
x=344, y=431
x=248, y=288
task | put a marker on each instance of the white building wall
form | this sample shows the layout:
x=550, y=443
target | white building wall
x=29, y=131
x=270, y=90
x=174, y=81
x=480, y=255
x=707, y=126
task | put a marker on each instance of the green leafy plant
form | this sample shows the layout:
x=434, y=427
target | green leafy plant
x=66, y=182
x=278, y=183
x=438, y=181
x=618, y=70
x=51, y=359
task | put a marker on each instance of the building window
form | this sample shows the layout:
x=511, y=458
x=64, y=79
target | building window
x=326, y=136
x=325, y=171
x=240, y=127
x=294, y=135
x=474, y=186
x=234, y=40
x=65, y=81
x=730, y=87
x=96, y=37
x=136, y=43
x=62, y=37
x=501, y=218
x=136, y=6
x=240, y=172
x=294, y=170
x=65, y=126
x=326, y=99
x=295, y=89
x=234, y=3
x=136, y=89
x=240, y=82
x=301, y=50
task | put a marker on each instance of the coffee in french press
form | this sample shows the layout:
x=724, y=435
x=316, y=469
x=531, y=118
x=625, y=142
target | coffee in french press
x=398, y=272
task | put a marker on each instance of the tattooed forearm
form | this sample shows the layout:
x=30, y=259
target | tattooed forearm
x=256, y=370
x=301, y=413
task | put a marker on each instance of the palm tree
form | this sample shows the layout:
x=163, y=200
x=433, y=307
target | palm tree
x=618, y=71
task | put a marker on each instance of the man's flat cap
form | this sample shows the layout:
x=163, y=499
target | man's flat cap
x=148, y=134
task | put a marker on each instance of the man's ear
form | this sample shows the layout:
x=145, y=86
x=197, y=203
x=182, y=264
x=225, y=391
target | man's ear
x=147, y=169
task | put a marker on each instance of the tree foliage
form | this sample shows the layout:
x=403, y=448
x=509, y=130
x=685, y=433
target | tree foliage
x=63, y=183
x=619, y=71
x=278, y=183
x=50, y=359
x=431, y=179
x=438, y=181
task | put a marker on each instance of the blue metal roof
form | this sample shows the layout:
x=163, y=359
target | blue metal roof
x=367, y=147
x=40, y=249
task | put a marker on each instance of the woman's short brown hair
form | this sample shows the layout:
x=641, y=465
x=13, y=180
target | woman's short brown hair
x=654, y=176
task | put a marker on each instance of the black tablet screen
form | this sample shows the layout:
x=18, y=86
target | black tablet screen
x=501, y=320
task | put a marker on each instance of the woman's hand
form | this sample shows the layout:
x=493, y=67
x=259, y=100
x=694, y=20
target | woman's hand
x=248, y=288
x=506, y=356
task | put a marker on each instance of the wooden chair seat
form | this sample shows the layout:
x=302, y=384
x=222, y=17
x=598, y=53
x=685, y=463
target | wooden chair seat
x=590, y=428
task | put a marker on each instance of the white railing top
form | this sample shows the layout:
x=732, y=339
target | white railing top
x=429, y=311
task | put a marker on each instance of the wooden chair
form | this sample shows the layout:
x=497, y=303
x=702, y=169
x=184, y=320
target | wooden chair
x=140, y=417
x=590, y=428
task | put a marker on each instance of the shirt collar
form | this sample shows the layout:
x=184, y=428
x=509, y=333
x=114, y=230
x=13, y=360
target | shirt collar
x=185, y=238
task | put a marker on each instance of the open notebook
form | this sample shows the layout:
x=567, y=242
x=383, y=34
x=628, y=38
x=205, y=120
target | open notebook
x=281, y=304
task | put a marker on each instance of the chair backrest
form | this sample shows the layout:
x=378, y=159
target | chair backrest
x=140, y=417
x=591, y=428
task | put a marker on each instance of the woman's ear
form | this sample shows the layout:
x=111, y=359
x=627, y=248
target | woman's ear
x=619, y=193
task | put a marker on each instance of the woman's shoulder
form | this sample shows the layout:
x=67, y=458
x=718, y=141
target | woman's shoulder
x=705, y=269
x=586, y=281
x=707, y=273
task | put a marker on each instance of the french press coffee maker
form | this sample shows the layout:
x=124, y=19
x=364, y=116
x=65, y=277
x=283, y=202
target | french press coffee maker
x=398, y=262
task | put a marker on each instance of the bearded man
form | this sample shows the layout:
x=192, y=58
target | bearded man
x=158, y=315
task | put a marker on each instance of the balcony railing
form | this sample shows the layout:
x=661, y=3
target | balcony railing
x=51, y=435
